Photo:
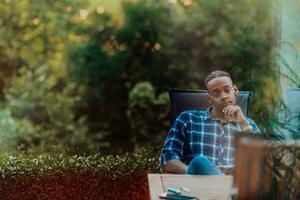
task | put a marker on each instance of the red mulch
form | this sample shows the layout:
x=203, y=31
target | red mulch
x=75, y=186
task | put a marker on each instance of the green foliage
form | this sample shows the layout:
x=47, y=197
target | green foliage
x=94, y=55
x=22, y=164
x=12, y=128
x=142, y=94
x=41, y=115
x=148, y=114
x=35, y=32
x=113, y=60
x=39, y=103
x=59, y=51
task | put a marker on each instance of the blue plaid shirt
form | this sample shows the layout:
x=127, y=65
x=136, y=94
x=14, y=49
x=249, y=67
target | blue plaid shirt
x=196, y=132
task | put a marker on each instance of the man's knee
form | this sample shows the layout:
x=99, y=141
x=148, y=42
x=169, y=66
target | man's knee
x=202, y=166
x=199, y=162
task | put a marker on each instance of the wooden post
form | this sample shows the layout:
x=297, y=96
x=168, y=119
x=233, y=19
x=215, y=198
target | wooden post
x=255, y=175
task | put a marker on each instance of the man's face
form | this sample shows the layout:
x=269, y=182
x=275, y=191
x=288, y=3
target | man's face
x=221, y=92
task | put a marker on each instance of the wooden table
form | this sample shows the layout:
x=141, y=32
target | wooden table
x=204, y=187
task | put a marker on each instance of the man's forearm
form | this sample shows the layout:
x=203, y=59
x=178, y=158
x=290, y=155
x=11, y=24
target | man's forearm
x=175, y=166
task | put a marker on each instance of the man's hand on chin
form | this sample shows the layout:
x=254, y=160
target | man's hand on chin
x=235, y=113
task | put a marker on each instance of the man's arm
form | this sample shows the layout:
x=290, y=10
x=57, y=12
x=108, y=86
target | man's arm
x=172, y=152
x=175, y=166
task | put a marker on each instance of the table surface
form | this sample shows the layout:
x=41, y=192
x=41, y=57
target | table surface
x=204, y=187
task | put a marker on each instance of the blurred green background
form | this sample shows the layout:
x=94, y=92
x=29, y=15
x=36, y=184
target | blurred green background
x=92, y=76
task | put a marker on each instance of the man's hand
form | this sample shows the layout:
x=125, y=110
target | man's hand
x=175, y=167
x=235, y=113
x=227, y=169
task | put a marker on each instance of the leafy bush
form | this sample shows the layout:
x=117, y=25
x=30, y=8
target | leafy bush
x=38, y=103
x=40, y=113
x=148, y=114
x=61, y=176
x=23, y=164
x=112, y=60
x=12, y=128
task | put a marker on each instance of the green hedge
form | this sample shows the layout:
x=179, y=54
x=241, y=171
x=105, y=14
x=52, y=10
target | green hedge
x=61, y=176
x=20, y=164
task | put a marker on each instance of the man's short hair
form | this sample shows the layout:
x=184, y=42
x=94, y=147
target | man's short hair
x=216, y=74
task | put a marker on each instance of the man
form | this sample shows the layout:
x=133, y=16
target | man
x=201, y=142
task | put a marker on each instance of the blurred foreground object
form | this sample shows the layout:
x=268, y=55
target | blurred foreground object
x=267, y=169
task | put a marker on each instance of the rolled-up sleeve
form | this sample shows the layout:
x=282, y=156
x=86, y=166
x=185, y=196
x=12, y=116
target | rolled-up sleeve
x=174, y=145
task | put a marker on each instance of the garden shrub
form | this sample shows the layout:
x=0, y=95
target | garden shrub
x=39, y=115
x=112, y=59
x=148, y=114
x=60, y=176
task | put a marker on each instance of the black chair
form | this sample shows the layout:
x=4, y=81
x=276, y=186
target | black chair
x=182, y=100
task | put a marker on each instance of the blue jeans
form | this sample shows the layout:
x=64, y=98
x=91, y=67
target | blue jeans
x=200, y=165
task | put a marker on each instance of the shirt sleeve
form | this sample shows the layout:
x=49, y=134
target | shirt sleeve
x=255, y=128
x=174, y=144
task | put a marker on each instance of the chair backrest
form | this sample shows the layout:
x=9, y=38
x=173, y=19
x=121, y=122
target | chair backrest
x=183, y=99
